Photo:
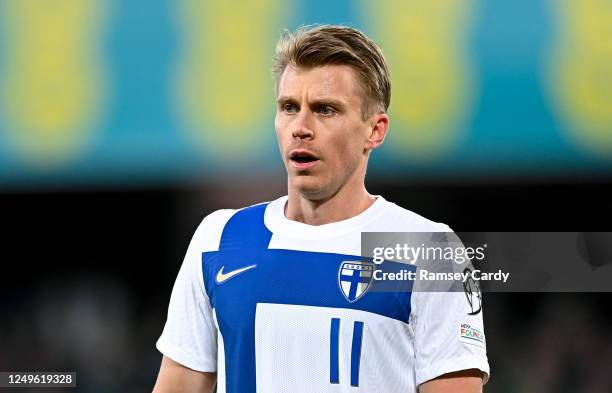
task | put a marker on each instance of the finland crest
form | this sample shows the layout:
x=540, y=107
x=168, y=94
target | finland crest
x=355, y=278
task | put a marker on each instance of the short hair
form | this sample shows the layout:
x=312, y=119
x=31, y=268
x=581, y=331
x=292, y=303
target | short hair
x=315, y=46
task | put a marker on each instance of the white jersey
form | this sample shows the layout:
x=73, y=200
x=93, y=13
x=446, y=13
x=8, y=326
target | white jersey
x=259, y=300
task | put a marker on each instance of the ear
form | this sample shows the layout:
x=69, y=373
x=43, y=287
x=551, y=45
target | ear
x=379, y=124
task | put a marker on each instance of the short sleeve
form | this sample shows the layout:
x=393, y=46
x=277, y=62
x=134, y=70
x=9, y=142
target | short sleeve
x=190, y=335
x=447, y=338
x=448, y=333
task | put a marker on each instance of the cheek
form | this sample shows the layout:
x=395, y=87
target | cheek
x=349, y=151
x=344, y=151
x=349, y=144
x=280, y=127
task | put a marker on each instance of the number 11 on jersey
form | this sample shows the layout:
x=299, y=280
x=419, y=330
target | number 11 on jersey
x=334, y=351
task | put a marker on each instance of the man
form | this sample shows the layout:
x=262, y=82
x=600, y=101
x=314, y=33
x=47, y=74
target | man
x=257, y=305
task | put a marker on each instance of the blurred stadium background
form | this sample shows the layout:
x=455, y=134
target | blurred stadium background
x=123, y=123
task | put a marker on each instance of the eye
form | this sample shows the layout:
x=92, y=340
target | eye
x=289, y=108
x=326, y=110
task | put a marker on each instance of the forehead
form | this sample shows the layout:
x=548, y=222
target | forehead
x=338, y=81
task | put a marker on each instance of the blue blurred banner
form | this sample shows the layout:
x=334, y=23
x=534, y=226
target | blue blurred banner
x=96, y=91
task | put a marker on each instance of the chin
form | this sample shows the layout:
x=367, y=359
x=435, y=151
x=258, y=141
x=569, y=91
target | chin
x=308, y=186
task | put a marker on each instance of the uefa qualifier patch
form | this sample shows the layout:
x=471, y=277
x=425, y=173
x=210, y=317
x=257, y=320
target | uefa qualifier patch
x=471, y=335
x=355, y=278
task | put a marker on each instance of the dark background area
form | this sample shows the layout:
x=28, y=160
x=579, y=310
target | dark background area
x=87, y=276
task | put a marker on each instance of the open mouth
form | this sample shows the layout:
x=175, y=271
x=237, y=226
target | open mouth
x=303, y=158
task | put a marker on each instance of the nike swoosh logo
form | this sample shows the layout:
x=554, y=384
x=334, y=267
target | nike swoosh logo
x=222, y=277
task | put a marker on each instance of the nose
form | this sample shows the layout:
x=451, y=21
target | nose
x=302, y=125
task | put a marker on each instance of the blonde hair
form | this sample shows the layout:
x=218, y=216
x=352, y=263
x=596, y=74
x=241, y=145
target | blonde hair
x=315, y=46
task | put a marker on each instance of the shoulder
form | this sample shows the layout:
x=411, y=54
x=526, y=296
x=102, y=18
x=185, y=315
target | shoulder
x=208, y=234
x=399, y=219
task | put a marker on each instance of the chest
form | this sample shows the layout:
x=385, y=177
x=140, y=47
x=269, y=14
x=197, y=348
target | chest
x=238, y=280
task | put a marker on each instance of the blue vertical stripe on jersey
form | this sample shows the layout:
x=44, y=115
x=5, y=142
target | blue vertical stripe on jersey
x=243, y=236
x=356, y=352
x=245, y=230
x=334, y=348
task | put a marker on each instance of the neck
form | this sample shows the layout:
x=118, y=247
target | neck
x=346, y=203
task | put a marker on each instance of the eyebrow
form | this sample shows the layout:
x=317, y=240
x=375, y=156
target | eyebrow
x=314, y=103
x=284, y=99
